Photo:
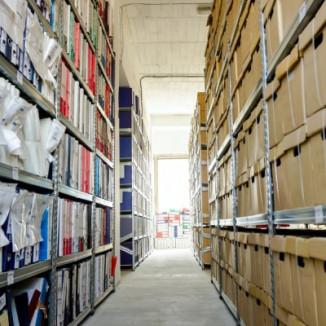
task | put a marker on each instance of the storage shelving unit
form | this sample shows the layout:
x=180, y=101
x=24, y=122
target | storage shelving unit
x=199, y=213
x=54, y=187
x=136, y=212
x=231, y=229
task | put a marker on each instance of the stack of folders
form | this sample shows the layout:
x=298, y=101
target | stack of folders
x=26, y=46
x=26, y=141
x=105, y=96
x=104, y=136
x=73, y=227
x=102, y=273
x=73, y=292
x=74, y=103
x=75, y=165
x=26, y=304
x=102, y=226
x=26, y=226
x=88, y=15
x=106, y=14
x=50, y=10
x=104, y=175
x=106, y=57
x=77, y=47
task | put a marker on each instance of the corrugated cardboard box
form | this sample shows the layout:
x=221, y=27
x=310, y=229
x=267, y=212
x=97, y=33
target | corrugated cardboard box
x=256, y=258
x=290, y=94
x=303, y=280
x=282, y=273
x=241, y=153
x=316, y=153
x=313, y=46
x=244, y=262
x=317, y=251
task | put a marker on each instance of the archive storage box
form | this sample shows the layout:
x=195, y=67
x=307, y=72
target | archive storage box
x=223, y=128
x=244, y=262
x=279, y=16
x=219, y=106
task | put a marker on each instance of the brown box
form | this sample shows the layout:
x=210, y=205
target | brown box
x=294, y=321
x=317, y=159
x=219, y=107
x=282, y=273
x=211, y=131
x=230, y=245
x=265, y=243
x=290, y=94
x=204, y=205
x=254, y=133
x=245, y=302
x=204, y=173
x=243, y=192
x=274, y=113
x=256, y=258
x=257, y=188
x=223, y=128
x=259, y=300
x=313, y=45
x=212, y=152
x=244, y=262
x=303, y=280
x=241, y=154
x=317, y=251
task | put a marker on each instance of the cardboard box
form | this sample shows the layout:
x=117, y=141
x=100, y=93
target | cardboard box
x=256, y=258
x=257, y=196
x=230, y=250
x=212, y=151
x=223, y=129
x=243, y=192
x=317, y=252
x=253, y=128
x=258, y=299
x=282, y=273
x=290, y=94
x=313, y=46
x=204, y=202
x=244, y=263
x=316, y=153
x=294, y=321
x=245, y=302
x=240, y=146
x=303, y=280
x=219, y=107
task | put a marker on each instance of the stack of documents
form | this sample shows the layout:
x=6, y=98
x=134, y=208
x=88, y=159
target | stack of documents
x=103, y=226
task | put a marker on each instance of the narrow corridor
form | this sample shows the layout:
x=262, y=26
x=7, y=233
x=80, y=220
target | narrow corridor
x=168, y=288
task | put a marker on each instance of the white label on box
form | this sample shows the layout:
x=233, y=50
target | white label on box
x=15, y=173
x=10, y=278
x=20, y=78
x=302, y=12
x=319, y=215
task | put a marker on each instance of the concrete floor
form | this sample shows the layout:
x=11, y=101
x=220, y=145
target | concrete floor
x=167, y=289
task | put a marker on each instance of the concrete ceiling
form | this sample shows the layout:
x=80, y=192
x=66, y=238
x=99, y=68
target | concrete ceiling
x=163, y=53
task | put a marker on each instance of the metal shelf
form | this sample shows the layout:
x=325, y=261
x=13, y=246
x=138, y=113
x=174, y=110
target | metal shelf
x=7, y=172
x=292, y=36
x=306, y=215
x=10, y=72
x=26, y=272
x=104, y=158
x=212, y=165
x=74, y=258
x=74, y=9
x=225, y=145
x=259, y=219
x=226, y=222
x=213, y=222
x=63, y=189
x=77, y=74
x=76, y=133
x=103, y=248
x=81, y=317
x=103, y=202
x=103, y=296
x=100, y=109
x=108, y=81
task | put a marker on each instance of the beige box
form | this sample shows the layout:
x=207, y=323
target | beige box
x=264, y=240
x=223, y=128
x=317, y=251
x=244, y=262
x=313, y=45
x=241, y=153
x=316, y=152
x=290, y=94
x=211, y=131
x=282, y=273
x=245, y=302
x=258, y=305
x=274, y=113
x=242, y=186
x=230, y=245
x=219, y=107
x=256, y=258
x=303, y=280
x=254, y=133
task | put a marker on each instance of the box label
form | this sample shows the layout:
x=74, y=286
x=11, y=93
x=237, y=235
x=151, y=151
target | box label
x=302, y=12
x=10, y=278
x=20, y=78
x=15, y=175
